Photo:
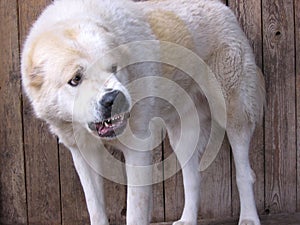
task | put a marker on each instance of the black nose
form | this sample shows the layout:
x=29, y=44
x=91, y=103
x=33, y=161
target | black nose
x=114, y=102
x=109, y=97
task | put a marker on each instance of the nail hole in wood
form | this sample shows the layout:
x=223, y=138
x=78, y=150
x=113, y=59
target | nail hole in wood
x=123, y=212
x=267, y=211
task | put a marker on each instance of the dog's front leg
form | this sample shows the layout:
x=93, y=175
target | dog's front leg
x=92, y=184
x=139, y=192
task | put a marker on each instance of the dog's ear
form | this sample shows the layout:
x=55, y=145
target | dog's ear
x=32, y=67
x=36, y=77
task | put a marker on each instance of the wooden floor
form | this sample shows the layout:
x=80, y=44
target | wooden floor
x=265, y=220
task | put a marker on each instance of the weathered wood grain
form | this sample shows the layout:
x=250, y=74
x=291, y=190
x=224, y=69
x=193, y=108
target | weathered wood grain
x=174, y=197
x=73, y=205
x=297, y=42
x=12, y=175
x=280, y=126
x=115, y=196
x=216, y=186
x=41, y=149
x=158, y=213
x=248, y=13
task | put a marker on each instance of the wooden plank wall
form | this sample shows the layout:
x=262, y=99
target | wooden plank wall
x=38, y=183
x=280, y=138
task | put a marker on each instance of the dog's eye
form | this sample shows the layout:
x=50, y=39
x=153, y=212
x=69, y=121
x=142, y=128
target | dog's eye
x=76, y=80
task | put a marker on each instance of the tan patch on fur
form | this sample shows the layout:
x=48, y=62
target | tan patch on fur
x=34, y=69
x=36, y=78
x=70, y=34
x=167, y=26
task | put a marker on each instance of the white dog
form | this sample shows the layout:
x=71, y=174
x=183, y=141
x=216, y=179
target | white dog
x=88, y=68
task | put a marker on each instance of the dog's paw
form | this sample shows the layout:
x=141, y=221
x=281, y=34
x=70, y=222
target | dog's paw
x=249, y=222
x=180, y=222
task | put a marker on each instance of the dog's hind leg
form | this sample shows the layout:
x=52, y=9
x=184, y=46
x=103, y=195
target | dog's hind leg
x=191, y=181
x=239, y=138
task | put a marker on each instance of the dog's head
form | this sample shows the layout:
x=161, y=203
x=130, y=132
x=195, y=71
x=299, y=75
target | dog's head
x=70, y=76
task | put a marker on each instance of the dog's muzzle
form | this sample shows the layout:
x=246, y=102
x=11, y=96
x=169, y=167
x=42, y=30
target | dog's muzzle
x=114, y=110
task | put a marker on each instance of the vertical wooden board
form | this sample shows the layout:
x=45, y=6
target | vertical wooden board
x=248, y=13
x=115, y=198
x=216, y=186
x=115, y=195
x=73, y=205
x=13, y=208
x=173, y=188
x=280, y=128
x=42, y=173
x=297, y=38
x=41, y=149
x=158, y=211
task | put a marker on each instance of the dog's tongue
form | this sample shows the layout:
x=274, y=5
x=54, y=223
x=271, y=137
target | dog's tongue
x=102, y=130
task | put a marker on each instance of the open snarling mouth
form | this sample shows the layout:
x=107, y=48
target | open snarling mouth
x=111, y=127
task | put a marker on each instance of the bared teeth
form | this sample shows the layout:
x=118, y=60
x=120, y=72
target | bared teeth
x=110, y=122
x=105, y=127
x=117, y=117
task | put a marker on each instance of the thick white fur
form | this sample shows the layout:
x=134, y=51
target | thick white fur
x=77, y=32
